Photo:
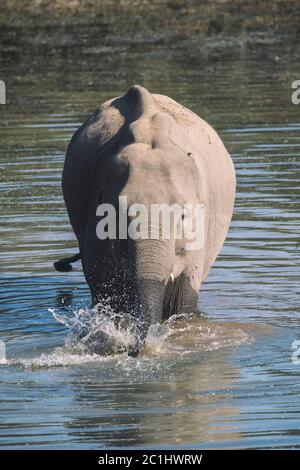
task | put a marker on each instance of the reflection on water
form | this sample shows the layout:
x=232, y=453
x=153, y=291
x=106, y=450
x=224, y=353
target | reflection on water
x=225, y=380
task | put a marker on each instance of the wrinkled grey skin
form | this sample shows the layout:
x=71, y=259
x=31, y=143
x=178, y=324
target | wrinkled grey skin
x=153, y=150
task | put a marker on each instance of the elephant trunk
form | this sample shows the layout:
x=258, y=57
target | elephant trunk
x=152, y=270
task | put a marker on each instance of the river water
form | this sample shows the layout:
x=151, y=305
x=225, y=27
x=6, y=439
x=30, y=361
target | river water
x=226, y=380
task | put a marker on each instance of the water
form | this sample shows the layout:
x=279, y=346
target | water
x=225, y=380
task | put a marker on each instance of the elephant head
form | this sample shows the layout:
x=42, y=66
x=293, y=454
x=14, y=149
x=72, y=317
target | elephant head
x=146, y=270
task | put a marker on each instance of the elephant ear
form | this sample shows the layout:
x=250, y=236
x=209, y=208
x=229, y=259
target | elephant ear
x=96, y=140
x=216, y=174
x=85, y=148
x=101, y=133
x=107, y=122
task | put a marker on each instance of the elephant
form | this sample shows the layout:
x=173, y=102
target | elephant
x=152, y=150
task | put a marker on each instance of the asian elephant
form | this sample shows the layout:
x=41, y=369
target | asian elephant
x=154, y=151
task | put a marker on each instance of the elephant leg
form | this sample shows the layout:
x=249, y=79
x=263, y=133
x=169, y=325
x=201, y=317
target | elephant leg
x=64, y=264
x=181, y=295
x=190, y=292
x=172, y=298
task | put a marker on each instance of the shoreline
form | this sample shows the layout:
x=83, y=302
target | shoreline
x=143, y=19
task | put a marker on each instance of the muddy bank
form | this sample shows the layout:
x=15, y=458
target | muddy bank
x=41, y=35
x=63, y=22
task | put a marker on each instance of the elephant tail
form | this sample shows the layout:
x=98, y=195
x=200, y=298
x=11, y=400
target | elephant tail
x=65, y=264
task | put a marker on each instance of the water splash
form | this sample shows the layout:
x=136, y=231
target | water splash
x=99, y=335
x=99, y=330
